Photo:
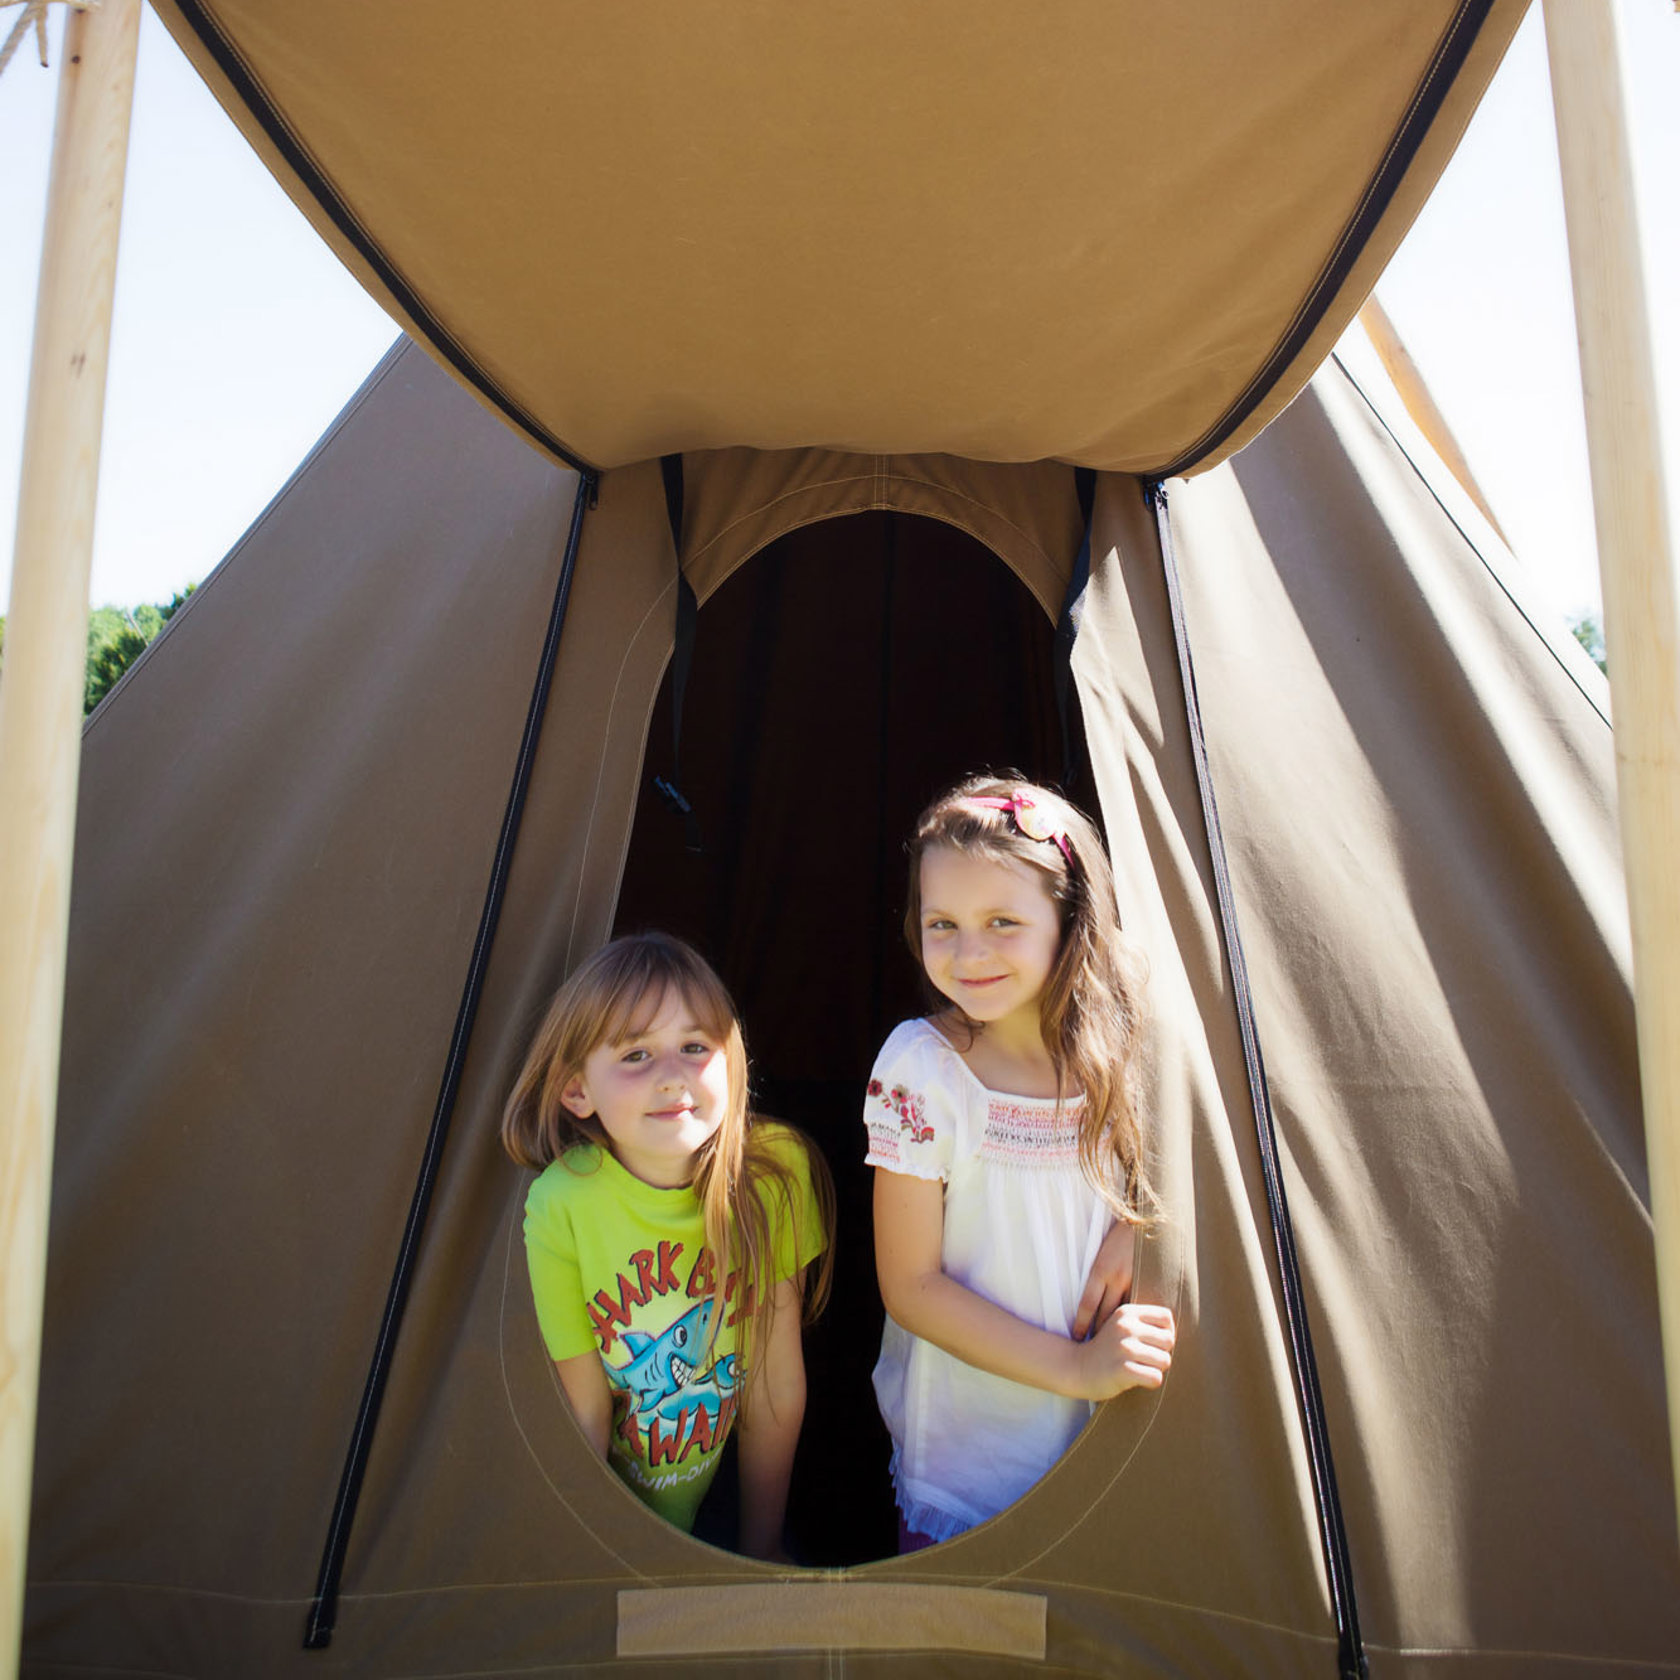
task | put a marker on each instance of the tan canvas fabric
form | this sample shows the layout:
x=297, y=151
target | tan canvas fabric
x=288, y=813
x=736, y=501
x=975, y=231
x=287, y=820
x=1421, y=800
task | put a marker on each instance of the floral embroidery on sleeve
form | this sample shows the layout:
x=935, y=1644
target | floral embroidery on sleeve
x=907, y=1106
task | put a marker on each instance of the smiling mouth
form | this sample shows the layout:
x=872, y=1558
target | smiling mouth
x=671, y=1113
x=682, y=1371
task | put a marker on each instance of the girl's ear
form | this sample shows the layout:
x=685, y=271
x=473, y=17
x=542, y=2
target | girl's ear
x=576, y=1098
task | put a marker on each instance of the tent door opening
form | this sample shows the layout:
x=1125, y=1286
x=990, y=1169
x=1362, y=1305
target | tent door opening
x=841, y=678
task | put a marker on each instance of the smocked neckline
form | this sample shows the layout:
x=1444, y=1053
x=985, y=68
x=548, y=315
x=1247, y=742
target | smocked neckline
x=926, y=1024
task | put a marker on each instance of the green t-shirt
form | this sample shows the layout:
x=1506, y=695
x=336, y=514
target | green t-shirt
x=622, y=1267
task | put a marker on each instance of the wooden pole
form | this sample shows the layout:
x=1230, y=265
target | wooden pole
x=1403, y=374
x=1641, y=598
x=41, y=706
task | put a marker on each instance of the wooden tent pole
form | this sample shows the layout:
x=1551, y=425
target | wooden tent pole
x=41, y=705
x=1641, y=597
x=1403, y=374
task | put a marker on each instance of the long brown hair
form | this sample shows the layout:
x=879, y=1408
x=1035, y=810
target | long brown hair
x=736, y=1172
x=1090, y=1011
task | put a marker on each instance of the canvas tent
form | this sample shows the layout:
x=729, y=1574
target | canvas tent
x=878, y=311
x=289, y=808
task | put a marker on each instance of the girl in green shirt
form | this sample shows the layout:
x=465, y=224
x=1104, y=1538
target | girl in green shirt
x=670, y=1234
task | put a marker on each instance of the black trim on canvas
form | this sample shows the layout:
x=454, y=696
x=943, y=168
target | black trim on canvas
x=682, y=659
x=1067, y=623
x=1451, y=51
x=342, y=217
x=1332, y=1530
x=323, y=1610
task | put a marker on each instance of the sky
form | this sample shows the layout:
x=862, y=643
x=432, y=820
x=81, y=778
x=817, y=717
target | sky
x=237, y=337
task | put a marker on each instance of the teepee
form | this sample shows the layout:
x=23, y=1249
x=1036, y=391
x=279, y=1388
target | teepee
x=290, y=807
x=889, y=336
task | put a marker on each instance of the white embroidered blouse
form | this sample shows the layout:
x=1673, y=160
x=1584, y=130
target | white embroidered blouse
x=1022, y=1228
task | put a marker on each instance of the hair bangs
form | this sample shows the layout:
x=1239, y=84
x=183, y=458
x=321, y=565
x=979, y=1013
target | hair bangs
x=630, y=993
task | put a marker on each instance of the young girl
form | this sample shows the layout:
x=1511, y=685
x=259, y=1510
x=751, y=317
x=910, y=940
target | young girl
x=669, y=1233
x=1009, y=1184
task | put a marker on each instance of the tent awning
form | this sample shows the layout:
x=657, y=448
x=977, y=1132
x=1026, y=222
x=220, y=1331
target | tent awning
x=1115, y=233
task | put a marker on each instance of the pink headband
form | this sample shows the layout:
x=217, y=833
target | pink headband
x=1029, y=819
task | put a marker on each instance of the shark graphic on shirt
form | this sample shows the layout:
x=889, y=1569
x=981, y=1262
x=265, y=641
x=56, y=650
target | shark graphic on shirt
x=662, y=1366
x=710, y=1391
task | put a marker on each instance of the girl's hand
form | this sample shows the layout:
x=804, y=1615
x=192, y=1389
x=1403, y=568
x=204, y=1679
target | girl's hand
x=1110, y=1280
x=1132, y=1348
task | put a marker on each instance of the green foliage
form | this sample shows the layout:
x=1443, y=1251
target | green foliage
x=117, y=636
x=1589, y=632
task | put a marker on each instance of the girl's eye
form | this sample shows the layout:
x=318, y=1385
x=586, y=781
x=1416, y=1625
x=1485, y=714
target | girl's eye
x=940, y=924
x=1004, y=921
x=633, y=1056
x=697, y=1048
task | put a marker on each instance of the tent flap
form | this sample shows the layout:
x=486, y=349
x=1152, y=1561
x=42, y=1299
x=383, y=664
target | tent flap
x=1123, y=239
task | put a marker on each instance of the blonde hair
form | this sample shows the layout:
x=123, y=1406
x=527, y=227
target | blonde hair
x=1091, y=1008
x=611, y=998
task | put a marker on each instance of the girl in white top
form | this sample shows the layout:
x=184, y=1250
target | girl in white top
x=1008, y=1185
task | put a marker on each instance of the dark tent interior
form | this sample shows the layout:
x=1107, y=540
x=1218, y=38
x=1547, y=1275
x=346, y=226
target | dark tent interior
x=840, y=679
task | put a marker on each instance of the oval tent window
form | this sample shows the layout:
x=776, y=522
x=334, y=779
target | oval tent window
x=840, y=678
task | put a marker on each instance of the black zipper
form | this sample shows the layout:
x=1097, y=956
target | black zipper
x=256, y=100
x=1351, y=1663
x=1450, y=53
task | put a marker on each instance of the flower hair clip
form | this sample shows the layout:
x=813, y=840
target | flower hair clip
x=1030, y=820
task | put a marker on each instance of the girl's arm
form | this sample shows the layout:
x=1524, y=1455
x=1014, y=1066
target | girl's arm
x=1110, y=1279
x=768, y=1430
x=1132, y=1348
x=589, y=1394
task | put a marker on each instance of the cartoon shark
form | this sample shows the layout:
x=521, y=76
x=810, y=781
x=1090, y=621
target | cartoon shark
x=663, y=1366
x=710, y=1391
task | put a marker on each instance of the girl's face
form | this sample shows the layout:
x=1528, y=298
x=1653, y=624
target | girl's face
x=990, y=933
x=658, y=1094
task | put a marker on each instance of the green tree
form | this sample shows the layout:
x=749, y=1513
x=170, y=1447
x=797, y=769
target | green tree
x=117, y=636
x=1589, y=632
